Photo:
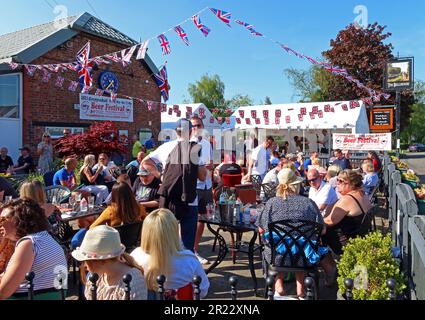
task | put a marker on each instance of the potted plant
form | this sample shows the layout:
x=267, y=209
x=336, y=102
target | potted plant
x=420, y=198
x=370, y=263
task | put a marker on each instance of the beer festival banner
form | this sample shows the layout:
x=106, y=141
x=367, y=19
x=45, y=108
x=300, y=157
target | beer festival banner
x=362, y=142
x=103, y=108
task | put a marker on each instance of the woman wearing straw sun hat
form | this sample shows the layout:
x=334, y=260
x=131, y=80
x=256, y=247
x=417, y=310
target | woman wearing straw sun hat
x=103, y=253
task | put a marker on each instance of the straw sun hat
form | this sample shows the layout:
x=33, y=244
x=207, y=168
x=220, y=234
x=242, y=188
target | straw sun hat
x=100, y=243
x=288, y=177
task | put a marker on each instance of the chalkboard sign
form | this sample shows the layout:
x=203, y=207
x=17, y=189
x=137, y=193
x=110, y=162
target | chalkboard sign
x=382, y=119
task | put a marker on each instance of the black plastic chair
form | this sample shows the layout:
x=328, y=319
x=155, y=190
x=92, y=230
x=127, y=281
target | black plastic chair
x=60, y=192
x=289, y=233
x=257, y=183
x=130, y=235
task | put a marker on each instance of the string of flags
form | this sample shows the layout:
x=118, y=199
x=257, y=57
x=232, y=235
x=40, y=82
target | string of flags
x=84, y=64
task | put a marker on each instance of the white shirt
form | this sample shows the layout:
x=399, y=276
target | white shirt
x=206, y=157
x=184, y=267
x=259, y=156
x=105, y=171
x=324, y=195
x=161, y=154
x=271, y=177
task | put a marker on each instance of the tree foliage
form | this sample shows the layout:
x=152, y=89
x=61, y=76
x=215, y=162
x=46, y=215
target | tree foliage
x=102, y=137
x=268, y=101
x=415, y=130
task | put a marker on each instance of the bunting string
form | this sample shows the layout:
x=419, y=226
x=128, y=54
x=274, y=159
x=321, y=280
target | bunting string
x=84, y=63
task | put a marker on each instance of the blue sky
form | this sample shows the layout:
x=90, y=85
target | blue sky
x=246, y=64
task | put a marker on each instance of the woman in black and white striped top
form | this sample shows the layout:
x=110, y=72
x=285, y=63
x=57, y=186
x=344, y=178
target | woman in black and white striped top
x=24, y=221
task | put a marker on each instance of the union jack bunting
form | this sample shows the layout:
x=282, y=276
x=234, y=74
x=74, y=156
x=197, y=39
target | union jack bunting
x=242, y=113
x=179, y=114
x=114, y=97
x=30, y=70
x=13, y=65
x=278, y=113
x=189, y=109
x=113, y=57
x=211, y=119
x=71, y=66
x=162, y=81
x=201, y=113
x=312, y=116
x=150, y=105
x=289, y=50
x=165, y=44
x=222, y=15
x=320, y=114
x=141, y=53
x=127, y=55
x=248, y=121
x=277, y=121
x=265, y=114
x=288, y=119
x=254, y=114
x=203, y=28
x=170, y=111
x=368, y=101
x=73, y=86
x=300, y=117
x=266, y=121
x=99, y=61
x=303, y=111
x=85, y=66
x=257, y=121
x=86, y=89
x=175, y=108
x=249, y=27
x=344, y=107
x=59, y=82
x=238, y=120
x=354, y=104
x=182, y=34
x=46, y=76
x=99, y=92
x=315, y=109
x=163, y=107
x=327, y=108
x=53, y=67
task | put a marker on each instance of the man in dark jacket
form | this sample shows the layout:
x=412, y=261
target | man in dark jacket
x=182, y=168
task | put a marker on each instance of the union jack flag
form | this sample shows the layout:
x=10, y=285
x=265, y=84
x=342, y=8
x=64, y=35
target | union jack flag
x=249, y=26
x=59, y=82
x=114, y=97
x=150, y=105
x=126, y=56
x=30, y=70
x=311, y=60
x=182, y=34
x=203, y=28
x=113, y=57
x=289, y=50
x=73, y=86
x=46, y=76
x=13, y=65
x=86, y=89
x=99, y=92
x=71, y=66
x=165, y=44
x=142, y=50
x=162, y=81
x=85, y=66
x=222, y=15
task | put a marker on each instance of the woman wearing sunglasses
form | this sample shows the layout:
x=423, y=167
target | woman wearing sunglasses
x=349, y=217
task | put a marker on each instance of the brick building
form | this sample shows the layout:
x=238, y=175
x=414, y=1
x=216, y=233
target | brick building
x=29, y=107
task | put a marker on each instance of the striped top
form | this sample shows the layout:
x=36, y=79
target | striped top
x=49, y=261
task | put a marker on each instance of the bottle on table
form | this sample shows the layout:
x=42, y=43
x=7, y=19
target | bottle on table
x=83, y=205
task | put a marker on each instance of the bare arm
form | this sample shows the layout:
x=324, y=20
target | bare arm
x=202, y=173
x=150, y=165
x=337, y=214
x=20, y=264
x=90, y=176
x=150, y=204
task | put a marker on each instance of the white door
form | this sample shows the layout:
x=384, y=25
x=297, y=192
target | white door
x=11, y=113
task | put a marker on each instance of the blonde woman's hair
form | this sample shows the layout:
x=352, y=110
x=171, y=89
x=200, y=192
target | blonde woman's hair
x=89, y=162
x=354, y=179
x=315, y=162
x=33, y=190
x=284, y=190
x=161, y=241
x=334, y=170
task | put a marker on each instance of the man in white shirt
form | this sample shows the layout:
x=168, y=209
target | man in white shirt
x=258, y=165
x=321, y=192
x=203, y=188
x=188, y=217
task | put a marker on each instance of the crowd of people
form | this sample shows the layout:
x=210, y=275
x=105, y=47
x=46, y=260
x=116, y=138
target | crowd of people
x=168, y=190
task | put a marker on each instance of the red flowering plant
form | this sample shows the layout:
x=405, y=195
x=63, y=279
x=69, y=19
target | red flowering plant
x=102, y=137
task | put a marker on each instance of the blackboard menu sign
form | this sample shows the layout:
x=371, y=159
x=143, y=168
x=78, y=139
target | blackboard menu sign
x=382, y=119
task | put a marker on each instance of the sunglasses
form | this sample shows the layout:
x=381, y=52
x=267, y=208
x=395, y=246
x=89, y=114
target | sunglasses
x=197, y=125
x=340, y=181
x=312, y=180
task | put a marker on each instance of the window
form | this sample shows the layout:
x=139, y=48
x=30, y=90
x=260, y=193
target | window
x=10, y=89
x=145, y=135
x=57, y=132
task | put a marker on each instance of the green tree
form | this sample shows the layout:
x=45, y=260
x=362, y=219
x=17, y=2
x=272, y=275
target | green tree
x=268, y=101
x=209, y=90
x=239, y=101
x=415, y=130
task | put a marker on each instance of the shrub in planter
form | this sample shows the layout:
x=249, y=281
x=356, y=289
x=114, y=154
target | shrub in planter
x=369, y=262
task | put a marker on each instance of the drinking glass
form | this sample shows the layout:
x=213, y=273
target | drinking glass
x=91, y=203
x=72, y=202
x=8, y=199
x=78, y=197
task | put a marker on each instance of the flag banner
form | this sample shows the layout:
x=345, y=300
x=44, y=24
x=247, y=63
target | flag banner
x=46, y=76
x=71, y=66
x=165, y=44
x=312, y=116
x=176, y=108
x=99, y=92
x=249, y=27
x=73, y=86
x=189, y=109
x=333, y=109
x=203, y=28
x=288, y=119
x=150, y=105
x=320, y=114
x=85, y=66
x=227, y=120
x=344, y=107
x=315, y=109
x=238, y=120
x=99, y=61
x=113, y=57
x=266, y=121
x=13, y=65
x=242, y=113
x=114, y=96
x=211, y=119
x=141, y=53
x=257, y=121
x=86, y=89
x=303, y=111
x=162, y=81
x=254, y=114
x=170, y=111
x=222, y=15
x=182, y=34
x=59, y=82
x=248, y=121
x=362, y=142
x=278, y=113
x=265, y=114
x=327, y=108
x=127, y=55
x=163, y=107
x=289, y=50
x=300, y=117
x=202, y=113
x=277, y=120
x=30, y=70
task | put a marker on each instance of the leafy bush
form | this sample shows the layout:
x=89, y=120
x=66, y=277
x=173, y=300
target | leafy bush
x=369, y=262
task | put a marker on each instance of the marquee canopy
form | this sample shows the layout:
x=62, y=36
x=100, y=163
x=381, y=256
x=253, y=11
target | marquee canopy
x=319, y=115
